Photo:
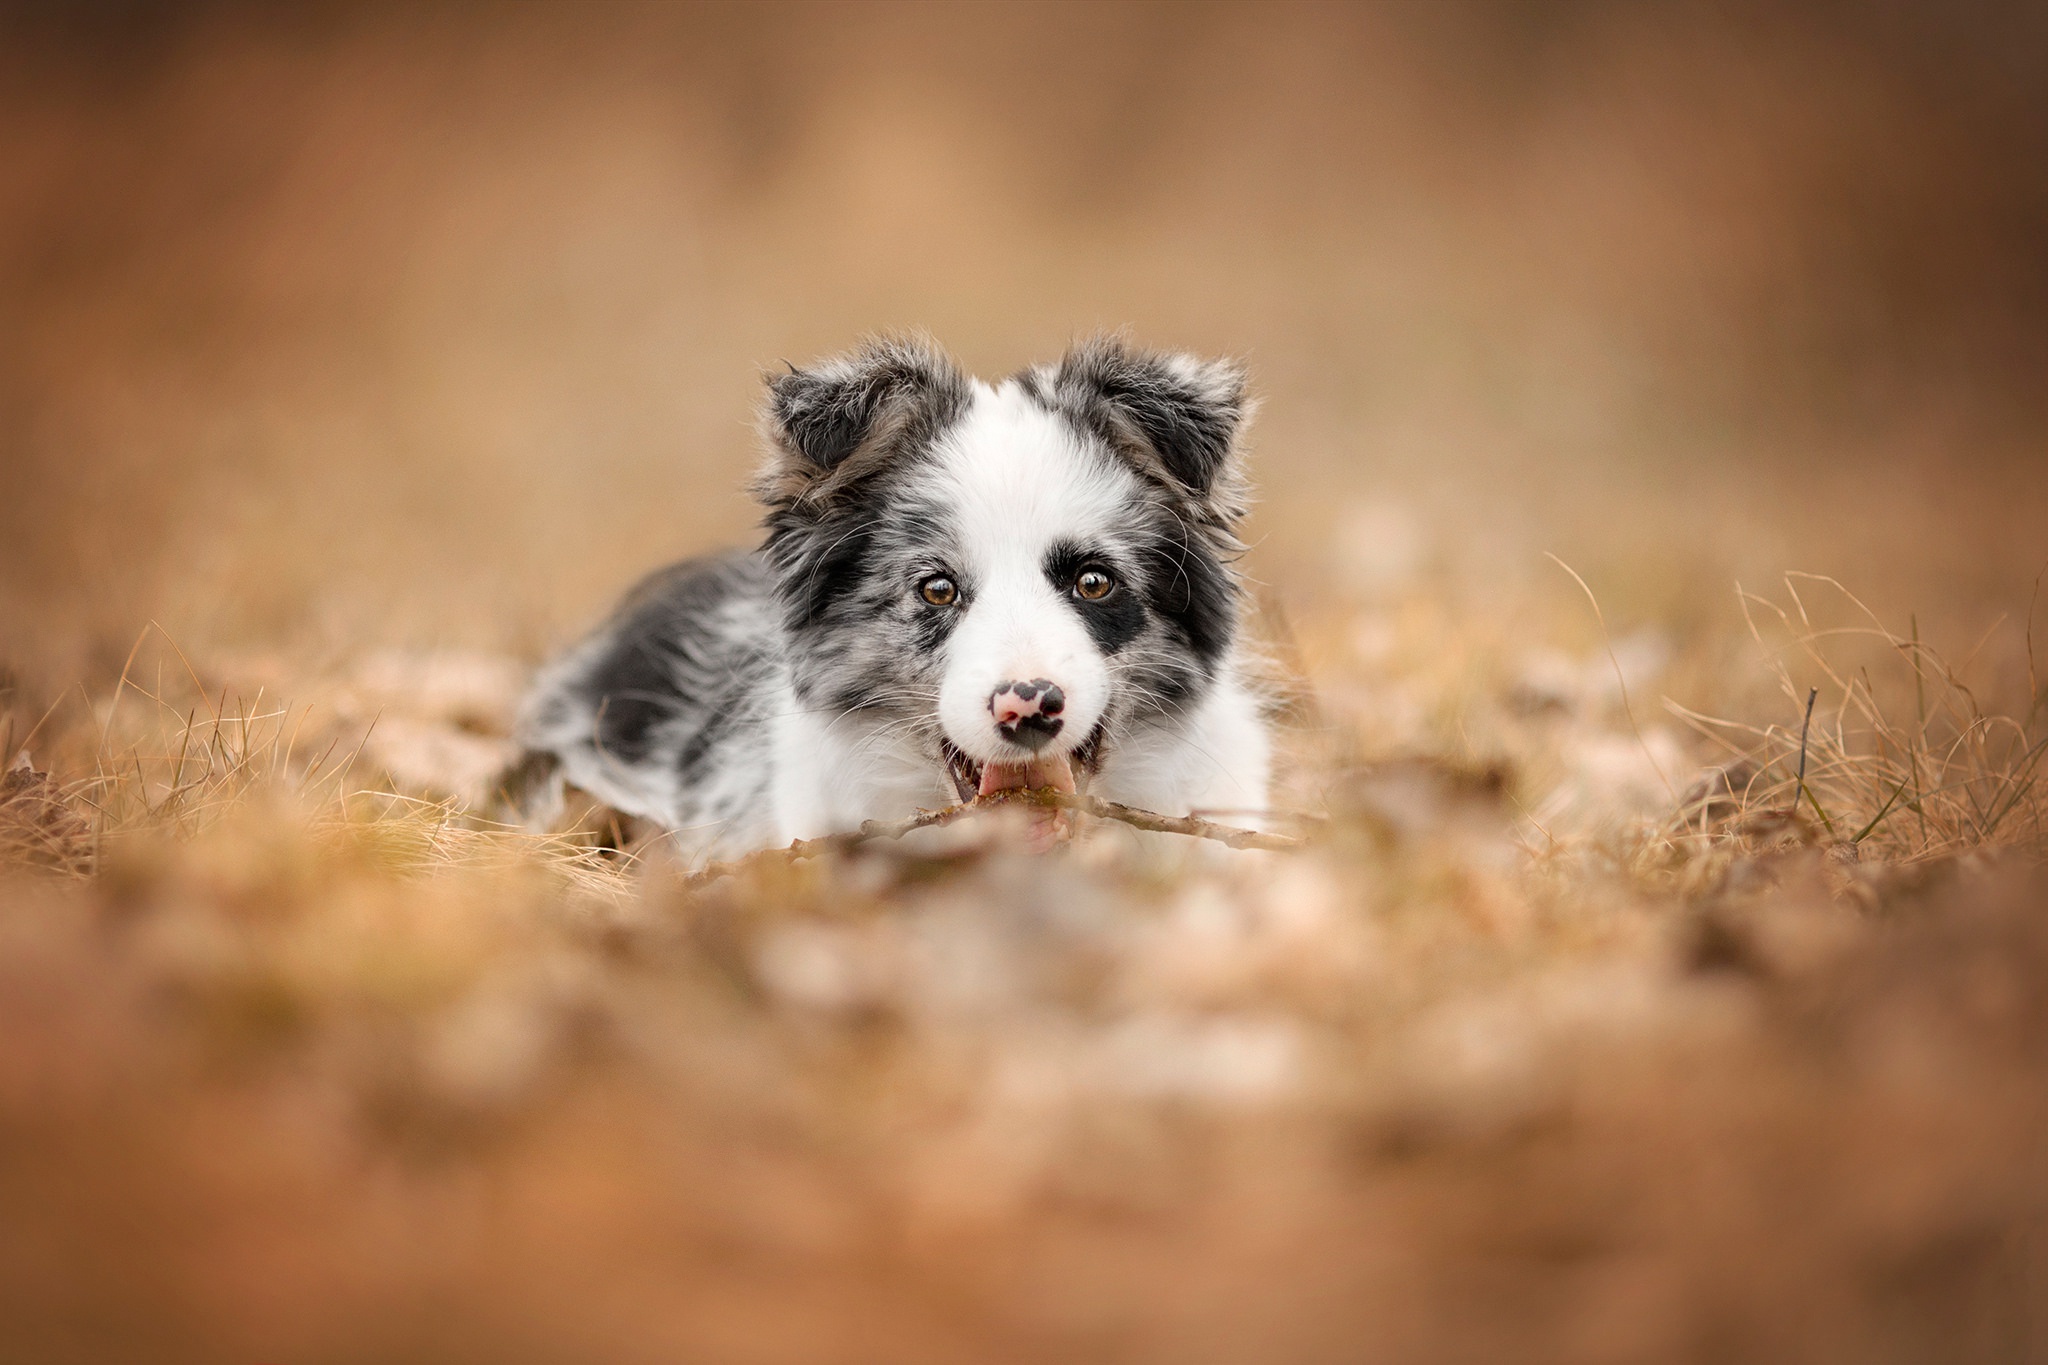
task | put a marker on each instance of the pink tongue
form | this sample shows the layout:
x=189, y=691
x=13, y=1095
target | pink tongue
x=1056, y=773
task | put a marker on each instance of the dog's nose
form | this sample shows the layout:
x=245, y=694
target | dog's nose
x=1028, y=713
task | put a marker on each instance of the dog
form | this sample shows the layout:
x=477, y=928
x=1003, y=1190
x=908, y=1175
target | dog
x=963, y=588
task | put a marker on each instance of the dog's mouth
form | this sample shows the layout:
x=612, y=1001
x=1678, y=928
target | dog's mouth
x=1065, y=772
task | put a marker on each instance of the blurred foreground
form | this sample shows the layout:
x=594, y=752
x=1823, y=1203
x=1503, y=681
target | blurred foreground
x=1623, y=1008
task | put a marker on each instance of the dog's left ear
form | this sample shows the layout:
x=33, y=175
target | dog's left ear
x=1177, y=417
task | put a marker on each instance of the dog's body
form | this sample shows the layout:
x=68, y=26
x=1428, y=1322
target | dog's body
x=964, y=588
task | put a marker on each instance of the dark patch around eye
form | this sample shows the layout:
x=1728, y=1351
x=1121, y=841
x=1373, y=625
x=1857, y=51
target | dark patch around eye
x=821, y=562
x=931, y=627
x=1115, y=620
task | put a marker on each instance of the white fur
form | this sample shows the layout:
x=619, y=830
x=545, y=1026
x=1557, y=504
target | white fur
x=1019, y=483
x=735, y=760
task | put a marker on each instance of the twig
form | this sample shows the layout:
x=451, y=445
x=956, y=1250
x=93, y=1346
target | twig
x=1801, y=789
x=1918, y=807
x=1812, y=693
x=1193, y=826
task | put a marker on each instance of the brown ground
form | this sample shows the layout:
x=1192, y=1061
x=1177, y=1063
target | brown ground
x=355, y=361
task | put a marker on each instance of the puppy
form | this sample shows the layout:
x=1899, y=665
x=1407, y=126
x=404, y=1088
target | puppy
x=963, y=588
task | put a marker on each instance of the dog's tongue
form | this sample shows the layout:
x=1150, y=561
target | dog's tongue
x=1056, y=773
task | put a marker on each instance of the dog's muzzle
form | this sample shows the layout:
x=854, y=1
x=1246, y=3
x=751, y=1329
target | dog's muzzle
x=1068, y=772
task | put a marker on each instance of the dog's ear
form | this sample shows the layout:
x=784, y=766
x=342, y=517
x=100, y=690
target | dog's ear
x=837, y=420
x=1177, y=417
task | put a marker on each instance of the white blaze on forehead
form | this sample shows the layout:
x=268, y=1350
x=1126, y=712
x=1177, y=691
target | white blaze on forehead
x=1020, y=479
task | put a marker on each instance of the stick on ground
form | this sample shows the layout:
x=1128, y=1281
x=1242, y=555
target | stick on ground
x=1192, y=826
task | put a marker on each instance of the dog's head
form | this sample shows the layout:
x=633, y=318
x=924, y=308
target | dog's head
x=1016, y=575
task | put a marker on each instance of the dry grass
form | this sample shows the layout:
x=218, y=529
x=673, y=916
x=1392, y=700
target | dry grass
x=1663, y=980
x=303, y=1063
x=1968, y=778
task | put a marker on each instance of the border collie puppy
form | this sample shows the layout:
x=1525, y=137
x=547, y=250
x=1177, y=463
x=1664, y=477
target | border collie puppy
x=964, y=588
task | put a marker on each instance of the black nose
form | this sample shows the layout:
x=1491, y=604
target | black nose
x=1028, y=713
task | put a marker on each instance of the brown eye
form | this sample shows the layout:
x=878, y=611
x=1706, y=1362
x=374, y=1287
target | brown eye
x=1094, y=584
x=939, y=591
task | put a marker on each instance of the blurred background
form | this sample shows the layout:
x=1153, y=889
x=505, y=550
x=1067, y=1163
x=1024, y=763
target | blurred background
x=368, y=351
x=436, y=325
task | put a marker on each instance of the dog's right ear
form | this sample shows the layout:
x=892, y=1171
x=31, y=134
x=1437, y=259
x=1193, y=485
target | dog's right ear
x=833, y=423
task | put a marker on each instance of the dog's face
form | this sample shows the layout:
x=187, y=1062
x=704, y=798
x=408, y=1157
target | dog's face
x=1015, y=575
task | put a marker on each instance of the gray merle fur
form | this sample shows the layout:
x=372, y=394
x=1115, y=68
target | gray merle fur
x=665, y=711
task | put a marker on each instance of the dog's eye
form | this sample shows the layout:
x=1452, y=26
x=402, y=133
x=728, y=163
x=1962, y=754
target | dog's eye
x=939, y=590
x=1093, y=584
